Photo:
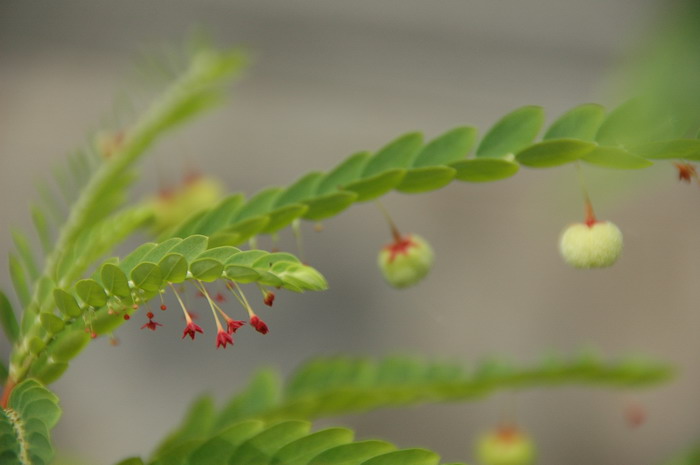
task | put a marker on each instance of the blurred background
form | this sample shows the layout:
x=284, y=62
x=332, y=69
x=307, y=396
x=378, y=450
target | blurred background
x=333, y=78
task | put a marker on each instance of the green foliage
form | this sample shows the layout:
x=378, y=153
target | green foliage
x=8, y=320
x=25, y=424
x=553, y=153
x=330, y=387
x=285, y=443
x=689, y=457
x=95, y=182
x=151, y=269
x=267, y=422
x=512, y=133
x=408, y=165
x=580, y=122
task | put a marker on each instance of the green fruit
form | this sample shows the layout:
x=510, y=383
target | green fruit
x=597, y=245
x=406, y=261
x=174, y=206
x=505, y=446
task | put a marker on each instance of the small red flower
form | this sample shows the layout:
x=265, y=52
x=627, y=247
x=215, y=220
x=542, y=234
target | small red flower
x=259, y=325
x=269, y=298
x=223, y=338
x=219, y=298
x=686, y=171
x=233, y=325
x=152, y=325
x=190, y=330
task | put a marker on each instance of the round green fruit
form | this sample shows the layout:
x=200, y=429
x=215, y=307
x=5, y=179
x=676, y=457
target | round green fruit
x=406, y=261
x=597, y=245
x=505, y=446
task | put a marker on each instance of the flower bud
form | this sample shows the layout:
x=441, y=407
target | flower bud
x=505, y=446
x=173, y=206
x=406, y=261
x=597, y=245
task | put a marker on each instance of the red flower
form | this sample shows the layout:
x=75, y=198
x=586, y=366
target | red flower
x=152, y=325
x=269, y=298
x=259, y=325
x=223, y=338
x=220, y=297
x=190, y=330
x=233, y=325
x=686, y=171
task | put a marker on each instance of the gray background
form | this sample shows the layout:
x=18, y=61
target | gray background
x=331, y=78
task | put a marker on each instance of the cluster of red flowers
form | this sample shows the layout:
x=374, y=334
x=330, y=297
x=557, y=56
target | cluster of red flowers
x=224, y=335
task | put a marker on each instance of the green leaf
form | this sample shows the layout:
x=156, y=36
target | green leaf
x=263, y=392
x=348, y=171
x=68, y=344
x=683, y=149
x=8, y=320
x=42, y=227
x=26, y=424
x=332, y=387
x=197, y=424
x=581, y=122
x=484, y=169
x=173, y=268
x=612, y=157
x=283, y=216
x=191, y=247
x=159, y=251
x=206, y=269
x=221, y=215
x=270, y=259
x=301, y=190
x=634, y=122
x=91, y=293
x=222, y=254
x=554, y=153
x=353, y=454
x=50, y=372
x=136, y=257
x=512, y=133
x=406, y=457
x=247, y=257
x=51, y=323
x=447, y=148
x=105, y=322
x=26, y=254
x=215, y=451
x=239, y=232
x=398, y=154
x=187, y=228
x=147, y=276
x=328, y=205
x=372, y=187
x=261, y=447
x=19, y=280
x=115, y=281
x=66, y=303
x=301, y=451
x=426, y=179
x=131, y=461
x=300, y=276
x=259, y=204
x=3, y=372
